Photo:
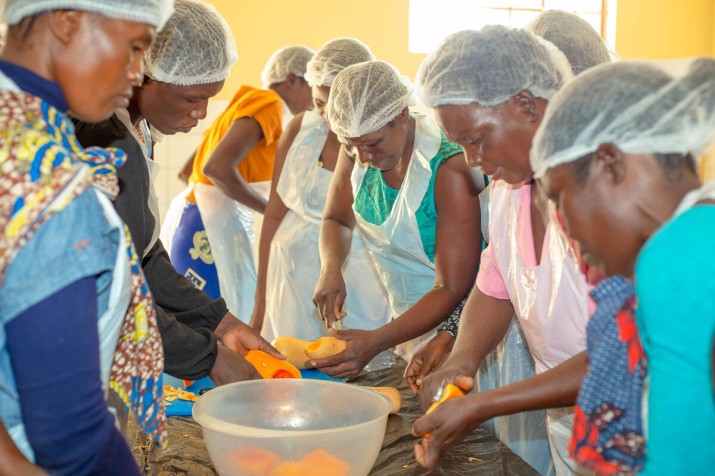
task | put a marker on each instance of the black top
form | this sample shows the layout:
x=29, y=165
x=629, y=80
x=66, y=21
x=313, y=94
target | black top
x=187, y=316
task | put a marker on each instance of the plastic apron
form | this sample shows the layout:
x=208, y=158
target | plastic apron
x=395, y=245
x=230, y=232
x=524, y=433
x=537, y=293
x=294, y=264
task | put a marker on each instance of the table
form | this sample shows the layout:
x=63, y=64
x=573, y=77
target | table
x=481, y=453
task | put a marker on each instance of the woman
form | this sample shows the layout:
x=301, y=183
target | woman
x=600, y=161
x=306, y=157
x=187, y=64
x=87, y=322
x=415, y=201
x=209, y=230
x=489, y=89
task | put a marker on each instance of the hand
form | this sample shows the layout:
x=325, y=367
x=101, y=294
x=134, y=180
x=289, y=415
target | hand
x=231, y=367
x=450, y=372
x=240, y=337
x=330, y=295
x=448, y=425
x=361, y=348
x=427, y=359
x=12, y=461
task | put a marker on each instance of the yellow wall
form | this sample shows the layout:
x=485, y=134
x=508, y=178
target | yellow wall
x=263, y=26
x=653, y=29
x=660, y=29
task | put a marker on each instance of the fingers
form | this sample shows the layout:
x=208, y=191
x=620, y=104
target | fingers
x=413, y=375
x=269, y=349
x=338, y=306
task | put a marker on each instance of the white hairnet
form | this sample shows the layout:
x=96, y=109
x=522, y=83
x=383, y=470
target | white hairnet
x=285, y=61
x=195, y=47
x=574, y=36
x=366, y=96
x=641, y=107
x=153, y=12
x=333, y=57
x=489, y=66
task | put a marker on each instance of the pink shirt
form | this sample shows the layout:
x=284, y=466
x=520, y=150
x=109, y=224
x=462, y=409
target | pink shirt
x=550, y=298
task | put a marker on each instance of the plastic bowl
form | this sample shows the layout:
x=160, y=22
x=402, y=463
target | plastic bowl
x=287, y=427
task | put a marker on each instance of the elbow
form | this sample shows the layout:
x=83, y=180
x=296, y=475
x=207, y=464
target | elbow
x=212, y=171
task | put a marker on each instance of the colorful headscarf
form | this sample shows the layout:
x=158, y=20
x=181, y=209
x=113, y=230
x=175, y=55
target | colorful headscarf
x=42, y=169
x=608, y=432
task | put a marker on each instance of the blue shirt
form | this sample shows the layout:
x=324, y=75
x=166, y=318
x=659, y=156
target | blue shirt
x=675, y=286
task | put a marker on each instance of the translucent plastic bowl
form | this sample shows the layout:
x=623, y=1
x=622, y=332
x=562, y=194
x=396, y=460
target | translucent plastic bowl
x=285, y=427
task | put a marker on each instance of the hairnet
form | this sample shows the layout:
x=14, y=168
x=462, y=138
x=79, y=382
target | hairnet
x=287, y=60
x=641, y=107
x=153, y=12
x=333, y=57
x=574, y=36
x=195, y=47
x=366, y=96
x=490, y=66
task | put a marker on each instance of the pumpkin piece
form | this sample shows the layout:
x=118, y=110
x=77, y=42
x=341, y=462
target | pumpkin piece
x=187, y=383
x=393, y=395
x=294, y=350
x=253, y=461
x=298, y=468
x=325, y=347
x=270, y=367
x=448, y=392
x=330, y=465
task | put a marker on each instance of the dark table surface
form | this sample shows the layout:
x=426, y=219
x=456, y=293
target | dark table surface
x=481, y=453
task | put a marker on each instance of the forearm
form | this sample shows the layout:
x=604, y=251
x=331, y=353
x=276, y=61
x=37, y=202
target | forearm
x=554, y=388
x=235, y=187
x=483, y=324
x=335, y=241
x=426, y=314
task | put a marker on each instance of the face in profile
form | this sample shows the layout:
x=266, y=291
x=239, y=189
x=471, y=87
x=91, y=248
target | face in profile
x=100, y=62
x=321, y=94
x=383, y=148
x=171, y=108
x=598, y=211
x=497, y=139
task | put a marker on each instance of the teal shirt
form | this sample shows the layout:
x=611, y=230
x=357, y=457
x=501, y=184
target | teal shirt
x=375, y=199
x=675, y=286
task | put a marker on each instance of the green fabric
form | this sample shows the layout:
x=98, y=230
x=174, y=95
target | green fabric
x=675, y=284
x=375, y=199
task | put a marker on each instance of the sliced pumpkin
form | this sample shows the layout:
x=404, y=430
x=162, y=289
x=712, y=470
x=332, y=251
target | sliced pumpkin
x=393, y=395
x=270, y=367
x=329, y=464
x=449, y=392
x=294, y=350
x=253, y=461
x=325, y=347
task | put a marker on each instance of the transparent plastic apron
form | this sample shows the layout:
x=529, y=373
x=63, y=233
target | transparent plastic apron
x=395, y=245
x=230, y=232
x=294, y=265
x=535, y=293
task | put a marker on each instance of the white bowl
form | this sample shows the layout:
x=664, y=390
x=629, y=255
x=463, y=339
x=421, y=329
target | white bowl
x=275, y=427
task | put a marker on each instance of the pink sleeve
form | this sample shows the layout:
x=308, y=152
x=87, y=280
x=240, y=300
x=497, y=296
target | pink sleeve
x=489, y=279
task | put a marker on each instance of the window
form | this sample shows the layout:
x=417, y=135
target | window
x=432, y=20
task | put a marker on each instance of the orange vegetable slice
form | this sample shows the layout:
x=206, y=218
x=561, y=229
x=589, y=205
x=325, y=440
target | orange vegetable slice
x=270, y=367
x=325, y=347
x=187, y=383
x=330, y=464
x=449, y=392
x=253, y=461
x=297, y=468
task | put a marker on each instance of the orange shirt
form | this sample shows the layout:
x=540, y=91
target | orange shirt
x=263, y=105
